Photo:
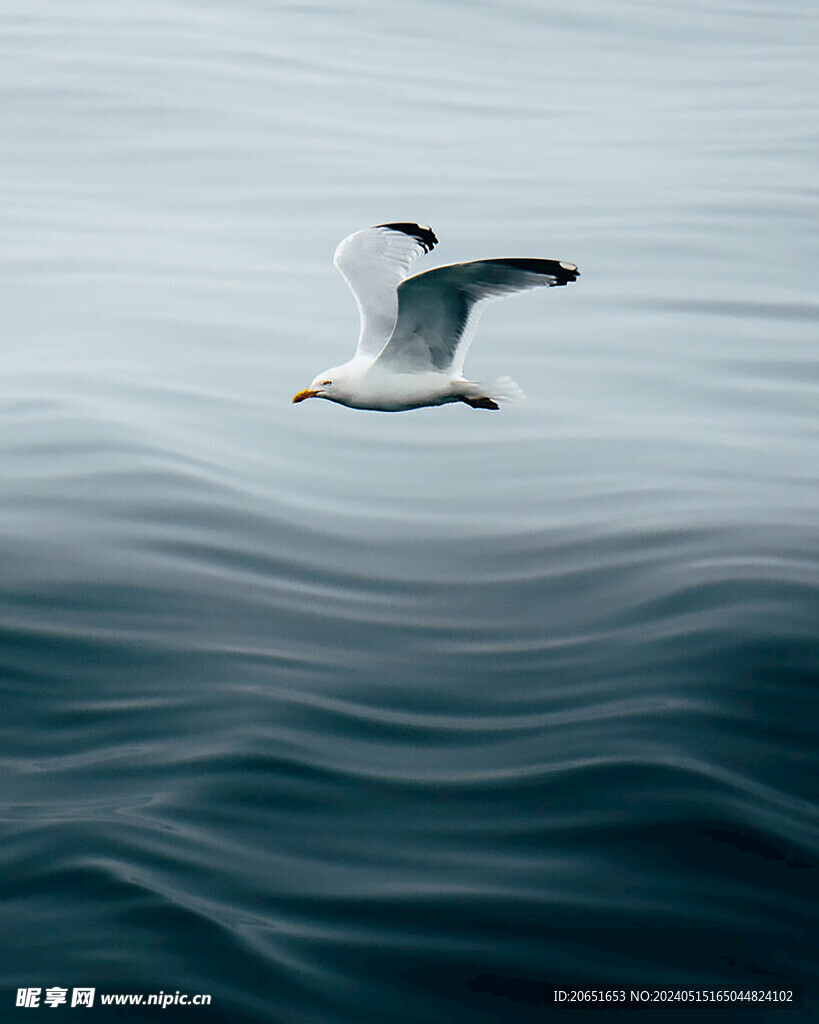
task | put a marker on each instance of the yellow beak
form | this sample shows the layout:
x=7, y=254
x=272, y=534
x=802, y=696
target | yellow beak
x=307, y=393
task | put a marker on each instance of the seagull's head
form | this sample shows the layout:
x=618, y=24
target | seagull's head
x=329, y=384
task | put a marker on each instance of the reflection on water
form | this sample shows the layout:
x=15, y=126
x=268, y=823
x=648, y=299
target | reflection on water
x=355, y=717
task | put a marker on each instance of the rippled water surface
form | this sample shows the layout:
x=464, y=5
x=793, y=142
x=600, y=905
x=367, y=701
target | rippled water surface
x=357, y=718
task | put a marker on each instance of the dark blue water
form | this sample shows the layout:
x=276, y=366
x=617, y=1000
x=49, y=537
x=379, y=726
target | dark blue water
x=354, y=718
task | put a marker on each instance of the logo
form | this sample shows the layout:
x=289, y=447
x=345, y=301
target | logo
x=54, y=996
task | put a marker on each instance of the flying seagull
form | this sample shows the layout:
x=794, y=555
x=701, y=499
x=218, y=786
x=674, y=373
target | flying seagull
x=415, y=331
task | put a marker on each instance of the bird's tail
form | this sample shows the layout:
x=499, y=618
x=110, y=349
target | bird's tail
x=504, y=389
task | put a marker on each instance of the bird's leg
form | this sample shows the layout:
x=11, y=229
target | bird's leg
x=481, y=403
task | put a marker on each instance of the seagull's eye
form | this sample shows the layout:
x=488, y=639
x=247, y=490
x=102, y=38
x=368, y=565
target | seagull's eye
x=324, y=383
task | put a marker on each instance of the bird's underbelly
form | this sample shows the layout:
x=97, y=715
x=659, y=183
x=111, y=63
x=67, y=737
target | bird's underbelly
x=401, y=392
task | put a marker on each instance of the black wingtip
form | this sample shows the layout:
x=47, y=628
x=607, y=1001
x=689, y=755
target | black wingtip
x=423, y=235
x=562, y=272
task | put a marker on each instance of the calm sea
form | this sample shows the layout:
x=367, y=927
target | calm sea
x=352, y=718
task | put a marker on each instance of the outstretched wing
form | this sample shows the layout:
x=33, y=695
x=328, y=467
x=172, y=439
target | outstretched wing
x=438, y=311
x=374, y=262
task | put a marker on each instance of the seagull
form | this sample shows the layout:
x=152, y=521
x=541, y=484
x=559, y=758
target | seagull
x=415, y=331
